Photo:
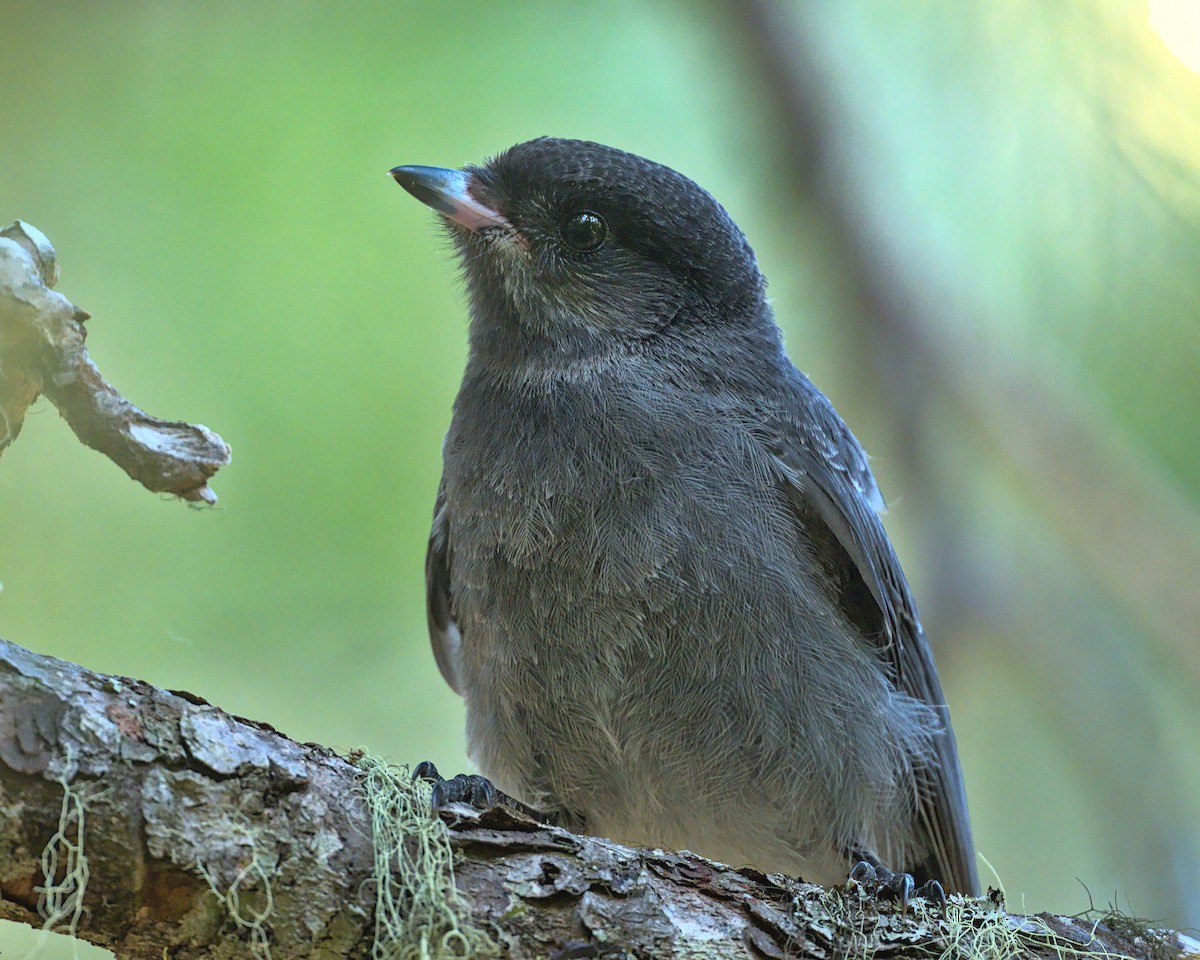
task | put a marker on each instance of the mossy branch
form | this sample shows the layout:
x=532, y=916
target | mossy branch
x=42, y=352
x=212, y=836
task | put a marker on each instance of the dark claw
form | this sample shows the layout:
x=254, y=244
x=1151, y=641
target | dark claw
x=471, y=789
x=883, y=884
x=898, y=887
x=466, y=788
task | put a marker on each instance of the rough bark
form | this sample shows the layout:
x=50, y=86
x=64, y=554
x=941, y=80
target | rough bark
x=182, y=815
x=42, y=352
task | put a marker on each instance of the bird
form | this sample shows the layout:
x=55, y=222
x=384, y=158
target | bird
x=657, y=571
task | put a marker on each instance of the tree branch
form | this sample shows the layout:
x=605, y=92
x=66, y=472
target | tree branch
x=157, y=825
x=42, y=352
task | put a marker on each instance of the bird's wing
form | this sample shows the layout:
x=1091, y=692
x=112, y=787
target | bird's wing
x=837, y=504
x=439, y=604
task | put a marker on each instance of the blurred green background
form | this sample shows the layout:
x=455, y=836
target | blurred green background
x=985, y=247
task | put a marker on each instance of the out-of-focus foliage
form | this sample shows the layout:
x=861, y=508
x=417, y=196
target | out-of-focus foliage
x=213, y=178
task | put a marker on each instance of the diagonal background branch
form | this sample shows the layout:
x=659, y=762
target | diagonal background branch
x=1074, y=465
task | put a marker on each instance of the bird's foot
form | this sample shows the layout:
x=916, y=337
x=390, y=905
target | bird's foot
x=884, y=884
x=473, y=790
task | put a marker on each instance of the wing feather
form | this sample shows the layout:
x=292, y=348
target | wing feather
x=444, y=634
x=829, y=482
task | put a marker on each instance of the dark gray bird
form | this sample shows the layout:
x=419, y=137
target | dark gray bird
x=657, y=571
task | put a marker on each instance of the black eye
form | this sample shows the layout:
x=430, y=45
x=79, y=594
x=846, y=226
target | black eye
x=584, y=231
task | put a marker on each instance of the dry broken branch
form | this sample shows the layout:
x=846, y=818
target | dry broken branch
x=42, y=352
x=157, y=825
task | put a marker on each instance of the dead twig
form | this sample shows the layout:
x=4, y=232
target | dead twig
x=42, y=352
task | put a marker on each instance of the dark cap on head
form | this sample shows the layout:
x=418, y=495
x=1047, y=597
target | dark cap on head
x=649, y=207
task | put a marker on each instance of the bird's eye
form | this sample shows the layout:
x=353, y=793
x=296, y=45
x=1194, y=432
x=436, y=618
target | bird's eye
x=584, y=231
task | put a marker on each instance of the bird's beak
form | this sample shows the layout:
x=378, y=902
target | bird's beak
x=447, y=192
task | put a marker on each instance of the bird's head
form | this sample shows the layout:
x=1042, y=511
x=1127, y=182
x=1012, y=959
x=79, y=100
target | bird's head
x=576, y=249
